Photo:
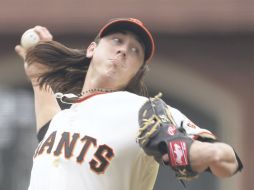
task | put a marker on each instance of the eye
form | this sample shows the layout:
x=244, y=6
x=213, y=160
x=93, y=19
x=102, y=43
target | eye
x=135, y=50
x=117, y=40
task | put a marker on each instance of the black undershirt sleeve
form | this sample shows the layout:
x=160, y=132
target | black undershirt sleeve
x=42, y=131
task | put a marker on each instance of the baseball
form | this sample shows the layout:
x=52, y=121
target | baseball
x=29, y=39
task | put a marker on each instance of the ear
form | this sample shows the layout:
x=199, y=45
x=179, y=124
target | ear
x=90, y=50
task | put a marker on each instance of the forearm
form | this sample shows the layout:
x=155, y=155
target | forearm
x=219, y=157
x=46, y=106
x=225, y=162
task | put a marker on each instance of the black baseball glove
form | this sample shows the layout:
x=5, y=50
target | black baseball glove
x=158, y=136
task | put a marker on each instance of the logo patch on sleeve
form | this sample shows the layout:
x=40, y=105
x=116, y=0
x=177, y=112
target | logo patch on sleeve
x=191, y=124
x=178, y=153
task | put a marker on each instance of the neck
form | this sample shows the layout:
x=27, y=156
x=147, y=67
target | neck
x=93, y=86
x=95, y=90
x=96, y=83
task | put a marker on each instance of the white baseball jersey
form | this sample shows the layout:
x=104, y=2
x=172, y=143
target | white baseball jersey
x=92, y=146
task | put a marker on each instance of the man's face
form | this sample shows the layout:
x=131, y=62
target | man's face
x=116, y=59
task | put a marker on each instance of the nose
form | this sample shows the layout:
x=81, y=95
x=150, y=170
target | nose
x=121, y=52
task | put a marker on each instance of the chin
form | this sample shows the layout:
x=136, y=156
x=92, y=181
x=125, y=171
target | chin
x=110, y=73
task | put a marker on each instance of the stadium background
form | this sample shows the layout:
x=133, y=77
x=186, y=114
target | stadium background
x=204, y=65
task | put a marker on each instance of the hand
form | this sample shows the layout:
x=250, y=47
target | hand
x=44, y=35
x=32, y=70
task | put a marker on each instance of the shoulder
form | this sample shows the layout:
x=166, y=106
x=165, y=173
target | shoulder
x=121, y=98
x=127, y=100
x=128, y=95
x=44, y=129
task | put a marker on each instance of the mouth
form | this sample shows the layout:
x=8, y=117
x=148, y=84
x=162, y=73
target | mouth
x=116, y=62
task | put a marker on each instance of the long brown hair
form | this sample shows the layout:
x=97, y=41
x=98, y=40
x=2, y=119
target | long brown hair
x=67, y=68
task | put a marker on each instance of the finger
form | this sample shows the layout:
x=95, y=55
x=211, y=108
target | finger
x=165, y=158
x=43, y=32
x=20, y=51
x=38, y=30
x=47, y=33
x=26, y=65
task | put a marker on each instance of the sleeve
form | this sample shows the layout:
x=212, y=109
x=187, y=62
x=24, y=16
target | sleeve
x=42, y=131
x=192, y=130
x=240, y=164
